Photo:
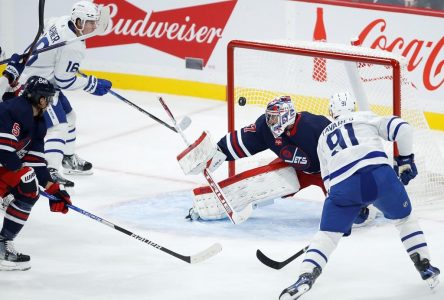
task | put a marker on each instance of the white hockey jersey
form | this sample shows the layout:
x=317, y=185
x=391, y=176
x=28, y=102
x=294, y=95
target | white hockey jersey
x=4, y=85
x=353, y=141
x=60, y=65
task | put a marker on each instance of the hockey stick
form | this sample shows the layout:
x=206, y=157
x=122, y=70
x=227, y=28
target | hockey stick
x=193, y=259
x=101, y=27
x=39, y=31
x=185, y=122
x=278, y=264
x=235, y=217
x=25, y=56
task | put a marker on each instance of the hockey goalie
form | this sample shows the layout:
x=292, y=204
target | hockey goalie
x=291, y=135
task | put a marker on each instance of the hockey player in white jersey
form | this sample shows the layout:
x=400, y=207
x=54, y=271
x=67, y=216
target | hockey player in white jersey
x=60, y=66
x=357, y=172
x=8, y=82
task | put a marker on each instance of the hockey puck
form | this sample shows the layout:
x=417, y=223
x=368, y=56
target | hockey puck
x=242, y=101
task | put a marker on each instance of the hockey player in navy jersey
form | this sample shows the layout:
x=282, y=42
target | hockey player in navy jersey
x=60, y=66
x=23, y=167
x=292, y=136
x=356, y=171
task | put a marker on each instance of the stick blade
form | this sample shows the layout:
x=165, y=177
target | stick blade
x=185, y=123
x=268, y=261
x=206, y=254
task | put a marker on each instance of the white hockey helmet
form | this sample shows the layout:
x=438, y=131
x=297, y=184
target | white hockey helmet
x=341, y=103
x=280, y=114
x=85, y=11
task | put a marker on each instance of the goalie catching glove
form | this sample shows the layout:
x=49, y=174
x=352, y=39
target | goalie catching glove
x=200, y=155
x=405, y=168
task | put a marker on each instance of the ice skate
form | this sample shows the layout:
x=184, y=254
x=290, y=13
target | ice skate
x=303, y=285
x=10, y=259
x=367, y=216
x=428, y=272
x=56, y=177
x=74, y=165
x=4, y=202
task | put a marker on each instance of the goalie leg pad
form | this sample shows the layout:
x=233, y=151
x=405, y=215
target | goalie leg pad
x=256, y=186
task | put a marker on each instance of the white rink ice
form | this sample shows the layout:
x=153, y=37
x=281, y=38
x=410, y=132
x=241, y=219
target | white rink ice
x=138, y=185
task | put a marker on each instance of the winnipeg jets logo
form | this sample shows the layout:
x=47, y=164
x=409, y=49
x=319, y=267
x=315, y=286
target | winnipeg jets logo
x=16, y=129
x=295, y=156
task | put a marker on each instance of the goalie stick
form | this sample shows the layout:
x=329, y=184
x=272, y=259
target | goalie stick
x=101, y=27
x=185, y=122
x=234, y=216
x=278, y=264
x=193, y=259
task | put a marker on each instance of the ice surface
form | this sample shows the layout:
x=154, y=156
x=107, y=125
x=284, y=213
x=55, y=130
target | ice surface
x=138, y=185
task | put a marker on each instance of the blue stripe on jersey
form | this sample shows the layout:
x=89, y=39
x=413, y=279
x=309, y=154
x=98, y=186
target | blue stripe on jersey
x=411, y=235
x=416, y=247
x=92, y=81
x=318, y=252
x=313, y=262
x=54, y=151
x=69, y=81
x=345, y=168
x=388, y=127
x=396, y=130
x=55, y=141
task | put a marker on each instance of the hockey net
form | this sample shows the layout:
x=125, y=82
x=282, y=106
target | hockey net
x=310, y=72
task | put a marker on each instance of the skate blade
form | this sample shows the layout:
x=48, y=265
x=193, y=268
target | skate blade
x=301, y=290
x=14, y=266
x=76, y=172
x=433, y=282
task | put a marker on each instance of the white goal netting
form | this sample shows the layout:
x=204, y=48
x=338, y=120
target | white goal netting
x=310, y=72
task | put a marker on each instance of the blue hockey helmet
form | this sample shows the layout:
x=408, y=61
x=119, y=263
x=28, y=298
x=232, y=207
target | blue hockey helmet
x=280, y=114
x=37, y=87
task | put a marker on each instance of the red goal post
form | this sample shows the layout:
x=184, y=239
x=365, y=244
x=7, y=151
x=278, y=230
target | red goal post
x=310, y=72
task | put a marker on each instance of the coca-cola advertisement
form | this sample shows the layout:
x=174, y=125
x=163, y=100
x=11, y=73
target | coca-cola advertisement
x=400, y=32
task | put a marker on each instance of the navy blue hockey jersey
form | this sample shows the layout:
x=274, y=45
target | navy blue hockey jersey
x=22, y=138
x=297, y=146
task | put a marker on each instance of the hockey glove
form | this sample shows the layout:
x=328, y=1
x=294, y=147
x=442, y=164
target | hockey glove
x=14, y=68
x=405, y=168
x=200, y=155
x=63, y=198
x=98, y=87
x=24, y=180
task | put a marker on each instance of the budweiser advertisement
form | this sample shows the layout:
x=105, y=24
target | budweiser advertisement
x=189, y=31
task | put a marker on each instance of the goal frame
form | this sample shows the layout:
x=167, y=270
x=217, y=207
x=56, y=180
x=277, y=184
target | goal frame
x=261, y=46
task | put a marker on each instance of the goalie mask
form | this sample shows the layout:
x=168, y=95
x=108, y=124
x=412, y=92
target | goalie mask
x=85, y=11
x=341, y=103
x=280, y=114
